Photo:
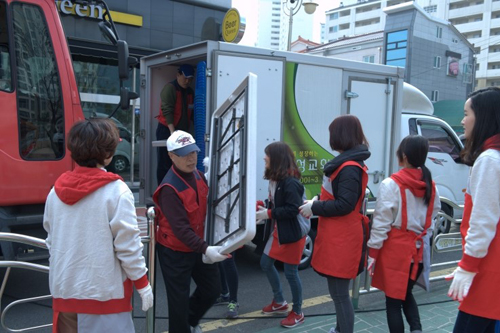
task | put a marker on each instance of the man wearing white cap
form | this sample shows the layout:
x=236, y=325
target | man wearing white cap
x=182, y=251
x=176, y=113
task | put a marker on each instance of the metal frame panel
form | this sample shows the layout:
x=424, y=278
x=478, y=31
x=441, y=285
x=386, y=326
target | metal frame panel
x=232, y=182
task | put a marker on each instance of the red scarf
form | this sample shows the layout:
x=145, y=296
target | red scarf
x=493, y=142
x=412, y=179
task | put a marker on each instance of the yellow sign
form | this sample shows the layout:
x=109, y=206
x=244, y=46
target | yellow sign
x=95, y=11
x=233, y=26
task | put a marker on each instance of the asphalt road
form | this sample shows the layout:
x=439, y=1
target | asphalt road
x=254, y=293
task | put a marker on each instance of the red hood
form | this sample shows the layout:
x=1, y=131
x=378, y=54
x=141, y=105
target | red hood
x=74, y=185
x=411, y=178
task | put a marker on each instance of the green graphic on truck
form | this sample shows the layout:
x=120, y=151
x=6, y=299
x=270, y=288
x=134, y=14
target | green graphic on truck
x=310, y=156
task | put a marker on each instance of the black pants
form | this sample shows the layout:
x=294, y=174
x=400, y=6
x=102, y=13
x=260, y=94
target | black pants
x=229, y=278
x=178, y=268
x=409, y=306
x=339, y=291
x=467, y=323
x=164, y=161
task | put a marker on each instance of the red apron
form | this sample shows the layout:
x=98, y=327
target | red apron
x=483, y=298
x=340, y=239
x=391, y=269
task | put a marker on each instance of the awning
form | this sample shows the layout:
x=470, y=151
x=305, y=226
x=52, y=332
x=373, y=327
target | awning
x=103, y=50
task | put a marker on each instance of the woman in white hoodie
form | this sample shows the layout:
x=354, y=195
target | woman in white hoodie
x=402, y=225
x=93, y=238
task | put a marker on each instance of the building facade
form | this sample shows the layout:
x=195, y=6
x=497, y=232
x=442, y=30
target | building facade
x=477, y=20
x=274, y=22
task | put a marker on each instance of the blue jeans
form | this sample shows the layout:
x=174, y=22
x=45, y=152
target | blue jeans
x=339, y=290
x=291, y=274
x=467, y=323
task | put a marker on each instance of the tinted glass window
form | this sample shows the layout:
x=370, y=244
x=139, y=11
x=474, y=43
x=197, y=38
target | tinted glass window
x=40, y=105
x=440, y=141
x=5, y=75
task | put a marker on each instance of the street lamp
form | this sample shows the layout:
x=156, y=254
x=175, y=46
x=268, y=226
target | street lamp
x=292, y=7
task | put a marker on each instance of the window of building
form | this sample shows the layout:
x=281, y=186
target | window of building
x=275, y=38
x=276, y=14
x=5, y=71
x=369, y=58
x=275, y=21
x=333, y=16
x=395, y=54
x=431, y=9
x=40, y=107
x=467, y=73
x=435, y=96
x=439, y=32
x=437, y=62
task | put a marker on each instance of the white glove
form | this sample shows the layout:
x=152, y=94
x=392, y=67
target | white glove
x=371, y=265
x=146, y=294
x=462, y=280
x=261, y=214
x=306, y=208
x=212, y=255
x=206, y=164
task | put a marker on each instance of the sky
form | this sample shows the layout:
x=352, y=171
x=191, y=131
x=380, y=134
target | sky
x=249, y=11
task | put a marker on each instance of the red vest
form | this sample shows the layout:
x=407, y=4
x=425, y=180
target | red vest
x=196, y=211
x=392, y=267
x=339, y=241
x=178, y=107
x=482, y=299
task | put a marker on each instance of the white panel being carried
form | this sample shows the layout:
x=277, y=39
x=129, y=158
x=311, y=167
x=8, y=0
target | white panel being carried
x=231, y=201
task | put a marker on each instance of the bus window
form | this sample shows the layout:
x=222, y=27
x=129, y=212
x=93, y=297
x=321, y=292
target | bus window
x=5, y=77
x=38, y=87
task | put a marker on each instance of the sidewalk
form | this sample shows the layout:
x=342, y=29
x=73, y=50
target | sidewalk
x=437, y=314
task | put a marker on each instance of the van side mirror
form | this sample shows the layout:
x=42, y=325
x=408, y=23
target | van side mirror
x=125, y=97
x=125, y=62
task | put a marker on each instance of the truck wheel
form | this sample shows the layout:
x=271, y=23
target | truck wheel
x=118, y=164
x=305, y=261
x=443, y=225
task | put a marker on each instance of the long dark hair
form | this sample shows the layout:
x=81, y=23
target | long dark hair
x=486, y=106
x=415, y=148
x=281, y=162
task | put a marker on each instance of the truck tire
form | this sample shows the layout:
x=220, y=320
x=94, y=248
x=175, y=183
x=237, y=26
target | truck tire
x=305, y=261
x=442, y=225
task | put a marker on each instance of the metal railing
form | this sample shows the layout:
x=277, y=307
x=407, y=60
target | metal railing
x=441, y=243
x=40, y=243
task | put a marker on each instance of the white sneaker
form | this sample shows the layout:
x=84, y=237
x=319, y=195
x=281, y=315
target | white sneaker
x=196, y=329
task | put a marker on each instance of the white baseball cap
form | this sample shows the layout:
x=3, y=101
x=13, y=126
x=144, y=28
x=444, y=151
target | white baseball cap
x=181, y=143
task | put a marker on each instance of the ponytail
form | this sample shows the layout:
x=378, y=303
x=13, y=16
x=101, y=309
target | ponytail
x=415, y=148
x=427, y=178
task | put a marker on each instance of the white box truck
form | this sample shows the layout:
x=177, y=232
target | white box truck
x=289, y=97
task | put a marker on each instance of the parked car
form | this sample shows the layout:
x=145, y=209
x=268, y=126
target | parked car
x=121, y=159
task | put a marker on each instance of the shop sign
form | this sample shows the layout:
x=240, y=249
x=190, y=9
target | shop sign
x=95, y=11
x=233, y=26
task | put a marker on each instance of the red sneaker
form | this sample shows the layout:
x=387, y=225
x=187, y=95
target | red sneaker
x=276, y=308
x=293, y=319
